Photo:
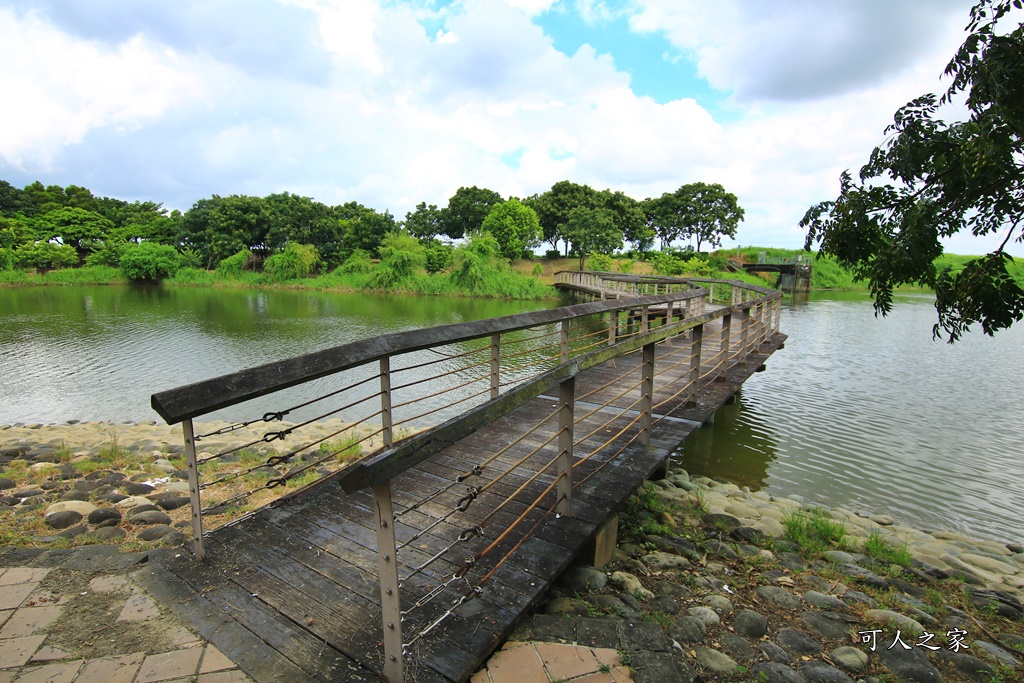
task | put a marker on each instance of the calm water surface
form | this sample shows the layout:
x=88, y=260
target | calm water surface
x=856, y=411
x=873, y=415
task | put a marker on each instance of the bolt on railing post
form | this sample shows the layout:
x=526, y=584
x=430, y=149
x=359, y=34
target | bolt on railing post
x=695, y=348
x=387, y=563
x=193, y=488
x=385, y=402
x=566, y=420
x=564, y=338
x=647, y=394
x=495, y=364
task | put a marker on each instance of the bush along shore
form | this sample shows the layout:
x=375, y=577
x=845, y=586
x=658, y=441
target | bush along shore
x=709, y=581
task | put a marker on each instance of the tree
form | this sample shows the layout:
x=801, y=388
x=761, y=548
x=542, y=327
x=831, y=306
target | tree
x=296, y=261
x=514, y=226
x=592, y=230
x=81, y=229
x=713, y=213
x=629, y=217
x=553, y=207
x=467, y=209
x=14, y=201
x=932, y=179
x=699, y=211
x=426, y=222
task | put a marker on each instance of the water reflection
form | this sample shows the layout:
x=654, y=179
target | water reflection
x=873, y=414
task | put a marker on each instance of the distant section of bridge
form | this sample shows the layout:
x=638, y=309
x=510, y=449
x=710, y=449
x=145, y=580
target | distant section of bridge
x=794, y=271
x=475, y=463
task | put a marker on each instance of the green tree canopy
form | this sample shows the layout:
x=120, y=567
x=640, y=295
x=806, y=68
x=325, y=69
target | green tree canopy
x=553, y=207
x=592, y=230
x=426, y=222
x=467, y=209
x=933, y=178
x=514, y=226
x=80, y=229
x=701, y=211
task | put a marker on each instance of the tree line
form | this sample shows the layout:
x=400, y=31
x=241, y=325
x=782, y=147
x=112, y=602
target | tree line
x=48, y=227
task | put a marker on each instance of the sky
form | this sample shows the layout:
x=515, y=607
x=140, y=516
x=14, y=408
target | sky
x=394, y=103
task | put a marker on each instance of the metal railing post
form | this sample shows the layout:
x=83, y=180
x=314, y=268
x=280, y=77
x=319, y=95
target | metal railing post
x=193, y=488
x=387, y=563
x=385, y=402
x=495, y=364
x=695, y=349
x=647, y=394
x=566, y=420
x=726, y=335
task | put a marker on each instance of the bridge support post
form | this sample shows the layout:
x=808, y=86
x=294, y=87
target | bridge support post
x=495, y=365
x=387, y=434
x=193, y=489
x=647, y=394
x=387, y=564
x=695, y=344
x=566, y=420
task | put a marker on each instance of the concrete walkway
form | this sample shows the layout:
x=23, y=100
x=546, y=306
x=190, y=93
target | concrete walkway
x=62, y=624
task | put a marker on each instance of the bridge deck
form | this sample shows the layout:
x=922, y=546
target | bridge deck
x=291, y=592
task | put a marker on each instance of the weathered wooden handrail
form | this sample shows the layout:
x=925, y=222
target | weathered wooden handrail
x=657, y=310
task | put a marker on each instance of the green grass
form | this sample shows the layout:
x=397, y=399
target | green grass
x=877, y=547
x=814, y=531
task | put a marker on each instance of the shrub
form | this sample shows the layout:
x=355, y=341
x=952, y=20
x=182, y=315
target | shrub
x=358, y=262
x=236, y=263
x=552, y=253
x=190, y=258
x=296, y=261
x=538, y=269
x=401, y=257
x=149, y=262
x=439, y=256
x=601, y=262
x=107, y=255
x=626, y=265
x=45, y=256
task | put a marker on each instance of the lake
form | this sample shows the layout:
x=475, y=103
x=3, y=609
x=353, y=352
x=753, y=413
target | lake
x=866, y=413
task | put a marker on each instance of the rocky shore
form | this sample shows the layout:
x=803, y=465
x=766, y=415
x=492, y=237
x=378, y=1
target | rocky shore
x=710, y=582
x=706, y=585
x=127, y=484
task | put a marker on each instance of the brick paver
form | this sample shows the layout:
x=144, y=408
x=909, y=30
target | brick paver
x=22, y=575
x=517, y=663
x=170, y=665
x=29, y=620
x=214, y=660
x=565, y=661
x=57, y=672
x=234, y=676
x=12, y=596
x=111, y=669
x=139, y=607
x=17, y=651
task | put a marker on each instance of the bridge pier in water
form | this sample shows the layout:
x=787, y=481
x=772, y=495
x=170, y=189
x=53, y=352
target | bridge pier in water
x=491, y=454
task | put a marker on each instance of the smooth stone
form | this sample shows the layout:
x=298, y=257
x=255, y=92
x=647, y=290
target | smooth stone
x=583, y=580
x=74, y=532
x=798, y=642
x=132, y=501
x=822, y=601
x=567, y=607
x=858, y=596
x=864, y=576
x=672, y=589
x=108, y=533
x=663, y=604
x=6, y=483
x=175, y=538
x=719, y=603
x=63, y=519
x=999, y=653
x=660, y=561
x=154, y=533
x=1004, y=604
x=720, y=549
x=715, y=661
x=632, y=585
x=688, y=630
x=883, y=520
x=778, y=596
x=988, y=564
x=850, y=658
x=705, y=614
x=750, y=623
x=775, y=672
x=911, y=665
x=829, y=624
x=819, y=672
x=841, y=557
x=81, y=507
x=737, y=646
x=74, y=495
x=964, y=663
x=174, y=502
x=613, y=605
x=1011, y=641
x=150, y=517
x=138, y=509
x=887, y=617
x=100, y=515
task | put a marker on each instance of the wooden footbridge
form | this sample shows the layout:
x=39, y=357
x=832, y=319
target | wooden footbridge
x=491, y=455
